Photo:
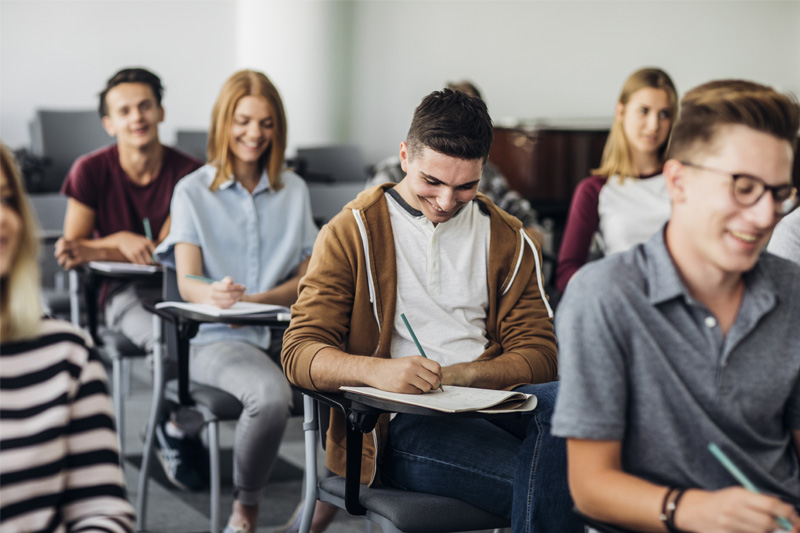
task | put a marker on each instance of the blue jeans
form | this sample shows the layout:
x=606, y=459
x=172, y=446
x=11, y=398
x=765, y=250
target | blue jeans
x=513, y=468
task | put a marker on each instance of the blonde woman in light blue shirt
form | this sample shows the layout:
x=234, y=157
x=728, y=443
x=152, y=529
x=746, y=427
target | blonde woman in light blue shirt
x=245, y=221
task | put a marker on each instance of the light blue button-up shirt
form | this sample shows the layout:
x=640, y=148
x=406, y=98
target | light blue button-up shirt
x=258, y=238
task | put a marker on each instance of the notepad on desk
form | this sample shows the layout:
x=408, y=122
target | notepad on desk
x=457, y=399
x=114, y=267
x=237, y=309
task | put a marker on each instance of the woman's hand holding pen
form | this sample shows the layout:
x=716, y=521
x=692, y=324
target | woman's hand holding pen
x=410, y=375
x=225, y=293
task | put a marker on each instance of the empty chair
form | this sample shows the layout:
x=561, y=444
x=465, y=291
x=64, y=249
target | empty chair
x=62, y=136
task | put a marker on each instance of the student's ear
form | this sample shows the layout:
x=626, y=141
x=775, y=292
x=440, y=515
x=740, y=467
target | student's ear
x=620, y=111
x=675, y=179
x=108, y=125
x=160, y=114
x=404, y=156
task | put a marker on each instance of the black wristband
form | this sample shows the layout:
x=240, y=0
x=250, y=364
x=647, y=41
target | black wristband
x=671, y=508
x=664, y=503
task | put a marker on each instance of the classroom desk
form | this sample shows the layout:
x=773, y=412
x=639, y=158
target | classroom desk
x=187, y=323
x=92, y=280
x=361, y=413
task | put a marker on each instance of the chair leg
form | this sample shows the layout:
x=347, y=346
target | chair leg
x=74, y=298
x=126, y=378
x=216, y=482
x=119, y=412
x=155, y=411
x=310, y=429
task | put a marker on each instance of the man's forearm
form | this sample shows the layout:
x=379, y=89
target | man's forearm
x=332, y=368
x=503, y=371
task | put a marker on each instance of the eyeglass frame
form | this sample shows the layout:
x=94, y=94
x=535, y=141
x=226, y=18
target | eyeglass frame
x=772, y=189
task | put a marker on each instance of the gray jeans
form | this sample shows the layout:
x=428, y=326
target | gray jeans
x=125, y=313
x=251, y=375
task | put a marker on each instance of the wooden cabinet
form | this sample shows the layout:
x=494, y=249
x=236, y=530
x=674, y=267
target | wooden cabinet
x=545, y=162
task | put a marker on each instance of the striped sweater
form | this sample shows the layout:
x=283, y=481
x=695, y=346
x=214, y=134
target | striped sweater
x=59, y=467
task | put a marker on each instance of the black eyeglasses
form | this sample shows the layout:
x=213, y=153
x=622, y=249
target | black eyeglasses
x=747, y=190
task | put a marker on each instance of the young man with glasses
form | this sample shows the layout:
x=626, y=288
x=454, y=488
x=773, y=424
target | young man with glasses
x=691, y=338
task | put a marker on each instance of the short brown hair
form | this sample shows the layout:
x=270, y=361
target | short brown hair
x=131, y=75
x=241, y=84
x=451, y=123
x=708, y=107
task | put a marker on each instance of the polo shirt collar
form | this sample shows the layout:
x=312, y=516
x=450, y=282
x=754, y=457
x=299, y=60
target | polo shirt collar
x=666, y=283
x=663, y=278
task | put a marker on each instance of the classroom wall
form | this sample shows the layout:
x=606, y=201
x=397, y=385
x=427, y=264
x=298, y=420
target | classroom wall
x=353, y=71
x=59, y=53
x=557, y=58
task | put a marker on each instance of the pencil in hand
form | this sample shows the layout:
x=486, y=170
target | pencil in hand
x=734, y=470
x=419, y=346
x=200, y=278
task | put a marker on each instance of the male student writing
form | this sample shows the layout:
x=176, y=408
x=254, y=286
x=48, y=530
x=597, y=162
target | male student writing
x=692, y=338
x=114, y=193
x=467, y=277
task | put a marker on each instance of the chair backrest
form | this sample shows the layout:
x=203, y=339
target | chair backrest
x=332, y=164
x=62, y=136
x=192, y=142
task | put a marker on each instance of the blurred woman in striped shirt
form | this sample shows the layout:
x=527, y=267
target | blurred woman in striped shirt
x=59, y=462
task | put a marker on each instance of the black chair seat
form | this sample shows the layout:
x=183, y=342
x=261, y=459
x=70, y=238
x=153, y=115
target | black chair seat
x=114, y=345
x=416, y=512
x=223, y=405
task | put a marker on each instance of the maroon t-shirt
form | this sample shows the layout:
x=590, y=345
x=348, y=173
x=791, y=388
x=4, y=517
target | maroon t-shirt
x=98, y=181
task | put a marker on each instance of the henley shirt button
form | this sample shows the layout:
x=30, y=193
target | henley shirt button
x=710, y=321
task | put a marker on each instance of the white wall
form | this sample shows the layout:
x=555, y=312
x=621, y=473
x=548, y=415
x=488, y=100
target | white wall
x=303, y=46
x=59, y=54
x=353, y=71
x=555, y=58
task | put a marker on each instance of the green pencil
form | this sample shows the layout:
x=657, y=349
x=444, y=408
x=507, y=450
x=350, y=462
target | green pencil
x=148, y=232
x=200, y=278
x=414, y=338
x=720, y=456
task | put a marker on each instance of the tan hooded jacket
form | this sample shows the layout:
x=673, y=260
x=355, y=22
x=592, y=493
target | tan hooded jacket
x=348, y=297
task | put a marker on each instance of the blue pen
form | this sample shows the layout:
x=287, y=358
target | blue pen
x=741, y=478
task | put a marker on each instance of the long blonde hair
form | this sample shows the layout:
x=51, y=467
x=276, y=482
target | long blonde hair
x=241, y=84
x=20, y=303
x=617, y=160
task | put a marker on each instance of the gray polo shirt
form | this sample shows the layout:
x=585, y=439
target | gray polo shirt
x=644, y=363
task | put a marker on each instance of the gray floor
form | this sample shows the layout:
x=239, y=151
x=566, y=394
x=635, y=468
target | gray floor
x=170, y=510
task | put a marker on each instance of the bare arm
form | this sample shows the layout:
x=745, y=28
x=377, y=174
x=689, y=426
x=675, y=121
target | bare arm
x=283, y=294
x=164, y=229
x=601, y=489
x=332, y=368
x=77, y=246
x=504, y=370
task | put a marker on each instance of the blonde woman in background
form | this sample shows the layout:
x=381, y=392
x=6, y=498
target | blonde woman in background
x=626, y=200
x=59, y=460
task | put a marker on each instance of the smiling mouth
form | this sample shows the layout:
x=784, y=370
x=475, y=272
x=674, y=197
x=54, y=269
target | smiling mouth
x=250, y=145
x=746, y=237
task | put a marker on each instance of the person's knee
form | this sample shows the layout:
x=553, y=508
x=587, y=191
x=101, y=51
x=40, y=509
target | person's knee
x=269, y=399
